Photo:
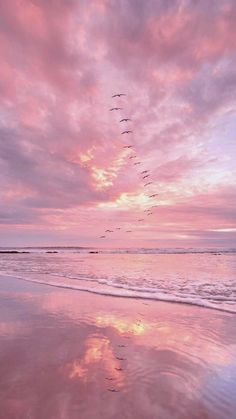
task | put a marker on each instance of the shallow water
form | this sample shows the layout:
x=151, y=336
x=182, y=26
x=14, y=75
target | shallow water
x=66, y=354
x=206, y=278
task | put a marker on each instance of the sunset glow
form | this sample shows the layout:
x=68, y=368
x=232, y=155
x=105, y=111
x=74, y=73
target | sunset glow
x=65, y=173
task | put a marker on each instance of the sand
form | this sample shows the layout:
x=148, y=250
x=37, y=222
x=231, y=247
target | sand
x=66, y=354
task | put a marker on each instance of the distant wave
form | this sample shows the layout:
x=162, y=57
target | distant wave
x=134, y=292
x=91, y=250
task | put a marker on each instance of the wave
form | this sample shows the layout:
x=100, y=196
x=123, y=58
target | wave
x=123, y=291
x=91, y=250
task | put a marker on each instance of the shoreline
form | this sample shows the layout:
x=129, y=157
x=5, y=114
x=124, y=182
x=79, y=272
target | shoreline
x=68, y=355
x=108, y=293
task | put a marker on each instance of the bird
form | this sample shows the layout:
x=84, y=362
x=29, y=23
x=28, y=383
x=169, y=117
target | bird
x=149, y=213
x=120, y=359
x=125, y=120
x=144, y=177
x=144, y=171
x=109, y=231
x=119, y=95
x=126, y=132
x=149, y=183
x=141, y=219
x=132, y=157
x=138, y=162
x=127, y=146
x=116, y=109
x=102, y=237
x=122, y=346
x=153, y=195
x=128, y=231
x=118, y=228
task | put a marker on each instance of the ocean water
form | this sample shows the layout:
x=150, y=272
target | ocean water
x=204, y=277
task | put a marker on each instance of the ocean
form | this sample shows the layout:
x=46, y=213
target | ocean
x=203, y=277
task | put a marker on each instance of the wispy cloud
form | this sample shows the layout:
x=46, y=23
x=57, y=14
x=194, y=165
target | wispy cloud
x=64, y=171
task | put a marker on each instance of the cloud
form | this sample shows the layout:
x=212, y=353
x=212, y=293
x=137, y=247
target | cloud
x=61, y=149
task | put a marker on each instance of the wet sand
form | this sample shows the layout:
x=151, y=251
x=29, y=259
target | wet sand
x=66, y=354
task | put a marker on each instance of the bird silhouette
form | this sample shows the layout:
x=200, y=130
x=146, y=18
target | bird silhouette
x=102, y=237
x=153, y=195
x=149, y=183
x=119, y=95
x=116, y=109
x=138, y=162
x=141, y=219
x=126, y=132
x=125, y=120
x=132, y=157
x=144, y=177
x=144, y=171
x=127, y=146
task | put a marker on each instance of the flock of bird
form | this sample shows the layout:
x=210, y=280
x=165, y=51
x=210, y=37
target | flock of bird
x=145, y=174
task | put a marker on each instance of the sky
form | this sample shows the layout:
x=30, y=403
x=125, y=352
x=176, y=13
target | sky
x=65, y=174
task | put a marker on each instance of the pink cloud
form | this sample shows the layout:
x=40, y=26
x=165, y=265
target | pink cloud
x=60, y=146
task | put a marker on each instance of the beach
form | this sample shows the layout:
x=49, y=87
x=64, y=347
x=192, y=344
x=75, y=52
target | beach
x=67, y=354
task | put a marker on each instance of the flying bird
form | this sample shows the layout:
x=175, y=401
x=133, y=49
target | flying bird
x=144, y=177
x=141, y=219
x=149, y=213
x=144, y=171
x=116, y=109
x=128, y=231
x=125, y=120
x=126, y=132
x=119, y=95
x=113, y=390
x=132, y=157
x=102, y=237
x=153, y=195
x=109, y=231
x=138, y=162
x=127, y=146
x=118, y=228
x=149, y=183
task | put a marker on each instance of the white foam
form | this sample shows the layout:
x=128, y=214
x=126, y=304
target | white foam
x=131, y=293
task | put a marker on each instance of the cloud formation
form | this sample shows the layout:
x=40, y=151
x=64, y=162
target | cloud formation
x=63, y=169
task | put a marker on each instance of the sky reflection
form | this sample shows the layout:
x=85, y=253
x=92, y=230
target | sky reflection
x=80, y=348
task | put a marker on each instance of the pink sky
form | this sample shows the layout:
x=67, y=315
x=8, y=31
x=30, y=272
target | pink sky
x=65, y=176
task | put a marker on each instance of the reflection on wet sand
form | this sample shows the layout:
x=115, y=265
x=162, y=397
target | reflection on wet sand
x=69, y=355
x=122, y=326
x=98, y=354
